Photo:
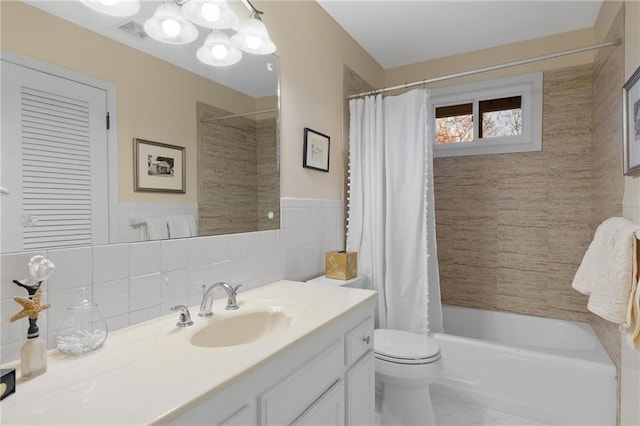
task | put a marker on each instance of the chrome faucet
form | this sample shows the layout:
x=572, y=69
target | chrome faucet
x=207, y=298
x=185, y=316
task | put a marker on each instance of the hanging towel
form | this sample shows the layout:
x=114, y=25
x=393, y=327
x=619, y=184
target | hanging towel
x=632, y=325
x=608, y=270
x=155, y=228
x=181, y=226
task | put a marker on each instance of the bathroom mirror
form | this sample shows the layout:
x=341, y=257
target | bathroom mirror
x=232, y=117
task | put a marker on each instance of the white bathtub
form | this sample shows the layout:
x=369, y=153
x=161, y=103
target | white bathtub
x=555, y=372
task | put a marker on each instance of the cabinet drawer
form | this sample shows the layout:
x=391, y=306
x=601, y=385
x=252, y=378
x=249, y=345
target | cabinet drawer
x=358, y=341
x=288, y=399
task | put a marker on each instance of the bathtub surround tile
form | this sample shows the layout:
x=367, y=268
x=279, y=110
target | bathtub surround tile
x=135, y=282
x=522, y=248
x=473, y=287
x=110, y=262
x=476, y=245
x=526, y=211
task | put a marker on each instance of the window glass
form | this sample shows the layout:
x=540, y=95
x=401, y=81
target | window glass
x=500, y=117
x=454, y=123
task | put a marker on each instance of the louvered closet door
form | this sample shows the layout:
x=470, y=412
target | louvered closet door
x=54, y=161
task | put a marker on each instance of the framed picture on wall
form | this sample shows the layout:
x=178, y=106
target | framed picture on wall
x=158, y=167
x=316, y=150
x=631, y=117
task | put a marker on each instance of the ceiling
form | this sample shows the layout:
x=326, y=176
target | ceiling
x=394, y=32
x=398, y=33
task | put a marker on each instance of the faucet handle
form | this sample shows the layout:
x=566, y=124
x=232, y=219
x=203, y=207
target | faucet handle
x=185, y=316
x=232, y=304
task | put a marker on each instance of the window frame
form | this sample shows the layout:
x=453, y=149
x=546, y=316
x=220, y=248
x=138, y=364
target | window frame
x=528, y=86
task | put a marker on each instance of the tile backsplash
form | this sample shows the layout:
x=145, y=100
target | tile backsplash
x=135, y=282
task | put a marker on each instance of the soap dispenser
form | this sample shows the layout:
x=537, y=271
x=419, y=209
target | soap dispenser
x=83, y=328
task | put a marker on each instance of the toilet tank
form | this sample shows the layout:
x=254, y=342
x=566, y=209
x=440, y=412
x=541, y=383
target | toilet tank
x=358, y=282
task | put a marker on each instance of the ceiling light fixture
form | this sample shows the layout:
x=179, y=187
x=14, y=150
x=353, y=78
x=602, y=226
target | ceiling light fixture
x=218, y=50
x=172, y=23
x=114, y=7
x=168, y=25
x=253, y=37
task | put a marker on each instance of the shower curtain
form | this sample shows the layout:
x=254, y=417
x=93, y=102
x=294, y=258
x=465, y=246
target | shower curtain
x=391, y=208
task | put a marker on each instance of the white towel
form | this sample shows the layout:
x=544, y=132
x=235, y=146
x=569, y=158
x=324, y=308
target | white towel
x=155, y=228
x=608, y=270
x=181, y=226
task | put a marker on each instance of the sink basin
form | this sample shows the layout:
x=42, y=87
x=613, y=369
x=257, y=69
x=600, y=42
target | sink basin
x=241, y=328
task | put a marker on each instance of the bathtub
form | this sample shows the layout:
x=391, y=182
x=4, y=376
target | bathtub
x=551, y=371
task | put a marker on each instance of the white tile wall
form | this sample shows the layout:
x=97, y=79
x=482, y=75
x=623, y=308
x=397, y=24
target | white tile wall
x=135, y=282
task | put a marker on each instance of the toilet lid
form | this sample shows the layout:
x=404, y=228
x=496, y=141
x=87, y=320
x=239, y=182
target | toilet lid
x=405, y=347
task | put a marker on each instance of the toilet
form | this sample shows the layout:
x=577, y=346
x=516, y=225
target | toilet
x=406, y=364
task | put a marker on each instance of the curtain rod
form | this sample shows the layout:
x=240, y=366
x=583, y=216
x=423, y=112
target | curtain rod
x=614, y=42
x=242, y=114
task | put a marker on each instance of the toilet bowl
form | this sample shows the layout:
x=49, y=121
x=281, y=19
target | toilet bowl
x=405, y=365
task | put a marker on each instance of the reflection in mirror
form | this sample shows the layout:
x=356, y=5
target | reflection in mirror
x=237, y=171
x=232, y=190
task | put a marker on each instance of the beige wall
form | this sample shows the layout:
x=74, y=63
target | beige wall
x=312, y=50
x=498, y=55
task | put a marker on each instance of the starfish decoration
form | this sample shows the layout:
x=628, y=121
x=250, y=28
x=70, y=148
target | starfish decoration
x=30, y=307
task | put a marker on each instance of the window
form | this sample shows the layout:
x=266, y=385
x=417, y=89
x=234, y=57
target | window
x=490, y=117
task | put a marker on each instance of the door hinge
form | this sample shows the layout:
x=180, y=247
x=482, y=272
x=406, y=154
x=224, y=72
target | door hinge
x=108, y=122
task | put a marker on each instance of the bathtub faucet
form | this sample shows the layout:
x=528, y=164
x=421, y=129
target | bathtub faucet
x=207, y=298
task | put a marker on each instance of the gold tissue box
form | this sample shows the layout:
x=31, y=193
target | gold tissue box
x=341, y=265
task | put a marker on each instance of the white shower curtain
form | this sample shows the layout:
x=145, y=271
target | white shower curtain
x=391, y=208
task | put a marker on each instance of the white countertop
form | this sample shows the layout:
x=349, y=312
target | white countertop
x=151, y=372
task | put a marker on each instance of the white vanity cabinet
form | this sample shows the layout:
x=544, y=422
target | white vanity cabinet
x=326, y=378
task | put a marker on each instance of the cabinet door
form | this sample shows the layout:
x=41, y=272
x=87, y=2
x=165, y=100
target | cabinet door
x=326, y=410
x=292, y=396
x=361, y=392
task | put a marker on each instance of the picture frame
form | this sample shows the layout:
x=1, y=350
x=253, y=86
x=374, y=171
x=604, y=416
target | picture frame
x=631, y=128
x=158, y=167
x=316, y=150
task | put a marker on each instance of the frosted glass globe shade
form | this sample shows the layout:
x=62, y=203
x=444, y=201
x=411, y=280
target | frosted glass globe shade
x=171, y=27
x=219, y=51
x=210, y=12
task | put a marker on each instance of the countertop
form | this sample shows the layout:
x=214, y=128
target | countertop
x=151, y=372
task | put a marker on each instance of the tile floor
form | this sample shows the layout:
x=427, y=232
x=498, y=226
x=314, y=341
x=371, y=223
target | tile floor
x=450, y=412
